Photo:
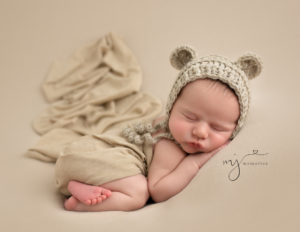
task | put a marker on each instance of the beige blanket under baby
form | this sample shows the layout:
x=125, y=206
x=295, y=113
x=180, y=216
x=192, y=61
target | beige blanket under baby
x=93, y=96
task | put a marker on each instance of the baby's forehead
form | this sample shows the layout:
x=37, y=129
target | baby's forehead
x=206, y=99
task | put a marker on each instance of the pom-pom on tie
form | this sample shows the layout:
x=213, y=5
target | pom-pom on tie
x=139, y=133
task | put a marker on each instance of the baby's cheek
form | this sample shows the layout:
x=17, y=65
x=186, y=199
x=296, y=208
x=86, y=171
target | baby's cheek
x=183, y=127
x=220, y=140
x=179, y=127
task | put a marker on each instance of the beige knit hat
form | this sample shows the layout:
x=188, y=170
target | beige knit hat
x=184, y=58
x=234, y=74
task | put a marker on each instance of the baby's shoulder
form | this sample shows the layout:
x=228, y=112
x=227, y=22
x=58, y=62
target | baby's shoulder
x=167, y=153
x=167, y=146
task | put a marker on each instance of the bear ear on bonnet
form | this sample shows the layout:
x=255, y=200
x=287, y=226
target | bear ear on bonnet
x=250, y=64
x=181, y=56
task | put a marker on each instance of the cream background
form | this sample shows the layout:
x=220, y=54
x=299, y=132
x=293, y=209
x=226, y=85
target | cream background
x=264, y=198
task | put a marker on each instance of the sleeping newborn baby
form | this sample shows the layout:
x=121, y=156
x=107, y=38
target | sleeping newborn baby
x=206, y=108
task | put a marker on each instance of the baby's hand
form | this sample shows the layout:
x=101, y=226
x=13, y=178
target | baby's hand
x=201, y=158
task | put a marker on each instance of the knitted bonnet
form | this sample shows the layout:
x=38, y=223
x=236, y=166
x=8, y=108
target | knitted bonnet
x=184, y=58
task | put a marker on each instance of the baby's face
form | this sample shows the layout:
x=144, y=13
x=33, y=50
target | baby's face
x=204, y=116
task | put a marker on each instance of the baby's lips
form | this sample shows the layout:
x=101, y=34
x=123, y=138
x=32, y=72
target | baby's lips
x=196, y=145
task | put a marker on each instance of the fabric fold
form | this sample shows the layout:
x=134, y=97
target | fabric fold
x=93, y=95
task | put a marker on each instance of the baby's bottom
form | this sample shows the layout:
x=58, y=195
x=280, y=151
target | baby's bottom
x=129, y=193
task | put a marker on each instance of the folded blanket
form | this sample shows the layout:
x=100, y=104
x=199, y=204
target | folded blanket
x=93, y=96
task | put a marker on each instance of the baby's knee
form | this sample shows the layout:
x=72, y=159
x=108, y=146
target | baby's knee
x=140, y=194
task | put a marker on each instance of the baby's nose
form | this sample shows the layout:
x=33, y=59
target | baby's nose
x=200, y=130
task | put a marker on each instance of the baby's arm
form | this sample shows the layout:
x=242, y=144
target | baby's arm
x=171, y=170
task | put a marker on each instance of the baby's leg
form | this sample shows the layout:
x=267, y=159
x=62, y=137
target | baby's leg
x=129, y=193
x=88, y=194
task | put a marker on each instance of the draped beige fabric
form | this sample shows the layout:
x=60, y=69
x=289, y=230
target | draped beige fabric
x=93, y=95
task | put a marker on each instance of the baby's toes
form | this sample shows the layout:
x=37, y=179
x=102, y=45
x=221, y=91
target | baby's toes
x=106, y=193
x=88, y=202
x=94, y=201
x=99, y=199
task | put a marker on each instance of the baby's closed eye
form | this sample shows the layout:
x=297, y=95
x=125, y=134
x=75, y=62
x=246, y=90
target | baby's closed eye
x=220, y=128
x=190, y=116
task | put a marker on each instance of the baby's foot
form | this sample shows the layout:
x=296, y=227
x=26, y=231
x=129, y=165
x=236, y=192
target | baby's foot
x=88, y=194
x=71, y=203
